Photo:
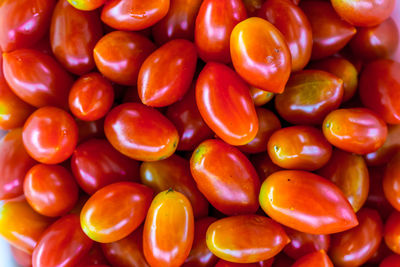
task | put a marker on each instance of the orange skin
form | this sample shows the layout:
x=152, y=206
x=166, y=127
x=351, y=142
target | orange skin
x=392, y=232
x=364, y=13
x=127, y=202
x=174, y=173
x=91, y=97
x=309, y=96
x=14, y=163
x=50, y=135
x=15, y=14
x=266, y=263
x=165, y=76
x=21, y=257
x=86, y=5
x=128, y=15
x=264, y=238
x=391, y=182
x=349, y=172
x=260, y=54
x=355, y=246
x=62, y=244
x=260, y=97
x=322, y=209
x=330, y=32
x=225, y=177
x=95, y=257
x=178, y=23
x=380, y=89
x=388, y=150
x=356, y=130
x=118, y=56
x=37, y=78
x=168, y=230
x=317, y=258
x=291, y=21
x=264, y=165
x=299, y=147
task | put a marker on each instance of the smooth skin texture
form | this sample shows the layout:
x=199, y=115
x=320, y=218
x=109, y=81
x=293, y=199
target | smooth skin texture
x=260, y=97
x=318, y=258
x=391, y=182
x=392, y=232
x=86, y=5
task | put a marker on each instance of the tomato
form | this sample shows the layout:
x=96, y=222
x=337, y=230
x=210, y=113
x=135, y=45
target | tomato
x=50, y=135
x=382, y=252
x=90, y=129
x=392, y=232
x=178, y=23
x=263, y=165
x=264, y=238
x=317, y=258
x=62, y=244
x=309, y=96
x=380, y=89
x=133, y=15
x=167, y=73
x=91, y=97
x=391, y=261
x=95, y=257
x=291, y=21
x=391, y=180
x=321, y=209
x=174, y=173
x=365, y=12
x=260, y=54
x=260, y=97
x=86, y=4
x=20, y=225
x=225, y=177
x=225, y=104
x=357, y=130
x=14, y=164
x=168, y=230
x=124, y=204
x=355, y=246
x=266, y=263
x=118, y=55
x=37, y=78
x=24, y=22
x=140, y=132
x=330, y=33
x=388, y=150
x=21, y=257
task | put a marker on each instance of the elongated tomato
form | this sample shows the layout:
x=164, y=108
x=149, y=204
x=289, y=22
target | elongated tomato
x=317, y=258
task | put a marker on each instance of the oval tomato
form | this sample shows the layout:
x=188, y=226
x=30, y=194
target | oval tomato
x=86, y=4
x=317, y=258
x=260, y=97
x=392, y=232
x=388, y=150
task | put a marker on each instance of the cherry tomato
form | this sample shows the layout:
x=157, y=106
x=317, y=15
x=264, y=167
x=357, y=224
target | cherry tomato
x=260, y=54
x=167, y=73
x=388, y=150
x=91, y=97
x=62, y=244
x=391, y=181
x=94, y=257
x=264, y=238
x=37, y=78
x=391, y=261
x=263, y=165
x=225, y=104
x=321, y=209
x=392, y=232
x=141, y=132
x=357, y=130
x=168, y=230
x=124, y=204
x=317, y=258
x=21, y=257
x=50, y=135
x=118, y=55
x=225, y=177
x=260, y=97
x=309, y=96
x=86, y=4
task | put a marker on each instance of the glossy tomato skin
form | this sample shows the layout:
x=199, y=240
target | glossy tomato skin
x=225, y=104
x=317, y=258
x=86, y=5
x=225, y=177
x=140, y=132
x=309, y=96
x=299, y=147
x=260, y=97
x=380, y=87
x=388, y=150
x=21, y=257
x=357, y=130
x=131, y=200
x=263, y=165
x=322, y=209
x=50, y=135
x=24, y=22
x=133, y=15
x=37, y=78
x=355, y=246
x=391, y=180
x=118, y=56
x=94, y=257
x=391, y=261
x=168, y=230
x=266, y=263
x=62, y=244
x=392, y=232
x=165, y=76
x=260, y=54
x=264, y=238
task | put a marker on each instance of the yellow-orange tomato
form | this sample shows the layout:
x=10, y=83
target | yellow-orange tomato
x=86, y=4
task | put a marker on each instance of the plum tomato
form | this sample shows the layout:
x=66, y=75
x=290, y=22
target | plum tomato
x=391, y=182
x=260, y=97
x=317, y=258
x=392, y=232
x=86, y=5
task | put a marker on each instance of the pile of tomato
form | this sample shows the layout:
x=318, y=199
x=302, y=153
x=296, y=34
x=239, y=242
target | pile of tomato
x=200, y=133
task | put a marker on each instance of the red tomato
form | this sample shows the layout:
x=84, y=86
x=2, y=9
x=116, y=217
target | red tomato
x=225, y=104
x=141, y=132
x=264, y=165
x=86, y=4
x=388, y=150
x=50, y=135
x=321, y=209
x=317, y=258
x=21, y=257
x=94, y=257
x=167, y=73
x=260, y=97
x=124, y=204
x=391, y=261
x=225, y=177
x=392, y=232
x=168, y=230
x=391, y=182
x=62, y=244
x=260, y=54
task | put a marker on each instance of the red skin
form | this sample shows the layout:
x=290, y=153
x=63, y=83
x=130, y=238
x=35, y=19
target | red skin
x=391, y=261
x=388, y=150
x=95, y=257
x=264, y=165
x=21, y=257
x=266, y=263
x=392, y=232
x=317, y=258
x=391, y=180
